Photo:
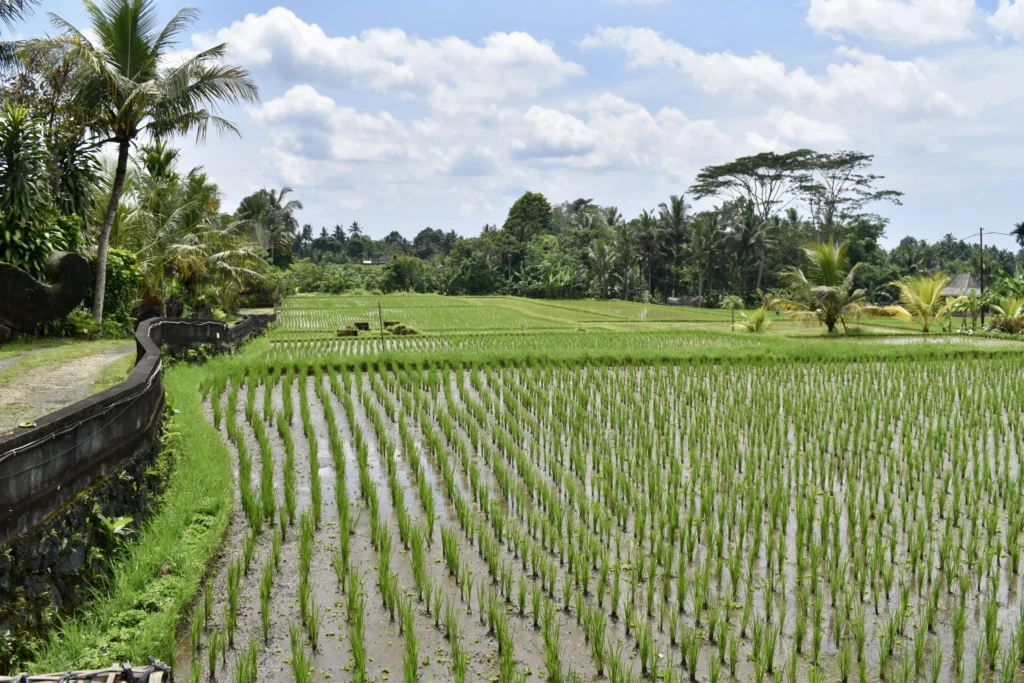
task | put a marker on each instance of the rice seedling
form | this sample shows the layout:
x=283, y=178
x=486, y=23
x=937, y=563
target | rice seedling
x=314, y=620
x=207, y=603
x=302, y=668
x=266, y=584
x=249, y=550
x=196, y=632
x=212, y=650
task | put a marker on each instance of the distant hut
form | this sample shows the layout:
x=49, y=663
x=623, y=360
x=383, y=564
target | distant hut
x=962, y=285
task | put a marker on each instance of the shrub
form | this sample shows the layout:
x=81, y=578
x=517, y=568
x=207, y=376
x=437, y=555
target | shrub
x=26, y=239
x=123, y=281
x=261, y=294
x=405, y=274
x=1007, y=324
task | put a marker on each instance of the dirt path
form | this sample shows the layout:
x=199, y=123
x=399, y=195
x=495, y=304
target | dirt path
x=48, y=387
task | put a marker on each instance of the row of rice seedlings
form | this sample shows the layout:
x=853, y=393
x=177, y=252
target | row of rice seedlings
x=315, y=490
x=356, y=616
x=290, y=501
x=235, y=571
x=267, y=497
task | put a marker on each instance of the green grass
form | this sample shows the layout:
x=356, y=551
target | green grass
x=136, y=613
x=114, y=373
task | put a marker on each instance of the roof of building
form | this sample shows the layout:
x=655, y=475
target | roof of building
x=961, y=285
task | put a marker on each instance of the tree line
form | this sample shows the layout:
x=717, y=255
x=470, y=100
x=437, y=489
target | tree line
x=769, y=206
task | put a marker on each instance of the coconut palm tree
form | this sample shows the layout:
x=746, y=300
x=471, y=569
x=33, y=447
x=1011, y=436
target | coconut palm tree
x=756, y=322
x=921, y=300
x=705, y=236
x=825, y=292
x=269, y=219
x=649, y=234
x=355, y=230
x=1018, y=233
x=626, y=256
x=732, y=303
x=122, y=77
x=602, y=264
x=675, y=222
x=15, y=10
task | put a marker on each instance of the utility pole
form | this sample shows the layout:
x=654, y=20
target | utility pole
x=981, y=269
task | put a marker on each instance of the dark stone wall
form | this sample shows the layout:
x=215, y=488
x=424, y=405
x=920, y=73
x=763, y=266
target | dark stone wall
x=48, y=571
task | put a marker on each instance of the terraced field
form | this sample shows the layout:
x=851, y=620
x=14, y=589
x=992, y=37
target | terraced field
x=657, y=505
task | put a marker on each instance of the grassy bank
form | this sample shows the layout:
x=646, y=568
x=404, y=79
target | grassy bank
x=135, y=613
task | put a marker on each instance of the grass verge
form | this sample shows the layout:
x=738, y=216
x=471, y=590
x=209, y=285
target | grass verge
x=135, y=613
x=115, y=373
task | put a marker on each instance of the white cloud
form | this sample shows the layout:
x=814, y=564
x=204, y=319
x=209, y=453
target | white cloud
x=862, y=79
x=1008, y=19
x=554, y=134
x=906, y=22
x=312, y=125
x=454, y=73
x=801, y=129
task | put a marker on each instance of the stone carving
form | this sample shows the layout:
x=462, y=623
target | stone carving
x=26, y=302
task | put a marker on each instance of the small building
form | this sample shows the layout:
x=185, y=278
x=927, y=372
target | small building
x=962, y=285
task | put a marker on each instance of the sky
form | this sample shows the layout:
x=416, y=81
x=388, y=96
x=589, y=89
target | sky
x=439, y=113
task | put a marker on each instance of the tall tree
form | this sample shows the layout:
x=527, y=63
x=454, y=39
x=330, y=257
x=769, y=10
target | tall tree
x=122, y=78
x=705, y=237
x=1018, y=233
x=602, y=264
x=837, y=187
x=355, y=230
x=649, y=235
x=270, y=221
x=764, y=179
x=530, y=215
x=674, y=221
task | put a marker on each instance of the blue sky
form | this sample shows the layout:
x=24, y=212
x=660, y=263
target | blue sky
x=439, y=113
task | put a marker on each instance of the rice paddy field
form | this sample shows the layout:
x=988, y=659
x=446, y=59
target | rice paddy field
x=523, y=494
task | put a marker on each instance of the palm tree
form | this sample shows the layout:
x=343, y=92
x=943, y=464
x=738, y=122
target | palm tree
x=649, y=233
x=921, y=300
x=15, y=10
x=269, y=220
x=626, y=254
x=756, y=322
x=355, y=230
x=751, y=241
x=602, y=263
x=1018, y=233
x=613, y=217
x=705, y=236
x=675, y=221
x=825, y=292
x=121, y=77
x=732, y=303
